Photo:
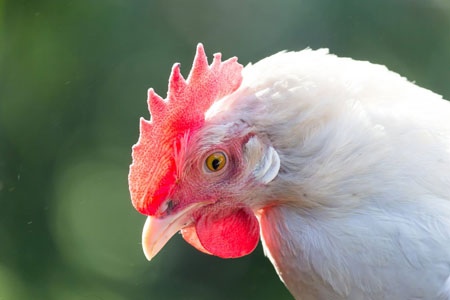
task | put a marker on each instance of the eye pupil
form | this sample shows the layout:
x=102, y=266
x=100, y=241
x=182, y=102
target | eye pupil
x=215, y=164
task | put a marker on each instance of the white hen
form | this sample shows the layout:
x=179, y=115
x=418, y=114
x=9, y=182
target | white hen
x=345, y=164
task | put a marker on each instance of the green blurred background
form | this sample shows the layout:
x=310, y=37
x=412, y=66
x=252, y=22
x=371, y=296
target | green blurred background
x=73, y=82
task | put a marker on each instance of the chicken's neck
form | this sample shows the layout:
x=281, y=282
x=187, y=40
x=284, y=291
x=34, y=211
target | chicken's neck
x=357, y=255
x=282, y=235
x=310, y=252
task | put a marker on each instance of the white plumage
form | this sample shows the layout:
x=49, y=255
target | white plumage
x=363, y=189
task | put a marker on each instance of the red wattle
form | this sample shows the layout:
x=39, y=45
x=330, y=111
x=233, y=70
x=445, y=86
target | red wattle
x=228, y=233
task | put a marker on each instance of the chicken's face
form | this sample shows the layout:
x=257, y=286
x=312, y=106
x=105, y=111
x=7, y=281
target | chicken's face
x=197, y=176
x=209, y=200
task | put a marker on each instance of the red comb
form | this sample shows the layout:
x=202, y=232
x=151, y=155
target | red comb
x=153, y=171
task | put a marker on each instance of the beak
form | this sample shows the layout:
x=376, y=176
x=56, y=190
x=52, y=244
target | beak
x=158, y=231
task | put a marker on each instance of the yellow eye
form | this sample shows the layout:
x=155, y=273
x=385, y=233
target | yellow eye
x=216, y=161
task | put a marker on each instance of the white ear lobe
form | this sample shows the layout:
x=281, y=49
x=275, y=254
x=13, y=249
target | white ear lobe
x=262, y=161
x=268, y=167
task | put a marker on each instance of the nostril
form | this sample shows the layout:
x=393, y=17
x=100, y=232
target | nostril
x=167, y=207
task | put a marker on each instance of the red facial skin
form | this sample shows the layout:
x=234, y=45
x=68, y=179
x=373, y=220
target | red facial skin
x=225, y=226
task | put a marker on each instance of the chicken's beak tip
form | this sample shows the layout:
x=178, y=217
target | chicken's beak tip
x=148, y=257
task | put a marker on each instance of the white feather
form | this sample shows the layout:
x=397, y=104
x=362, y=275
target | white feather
x=445, y=291
x=362, y=196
